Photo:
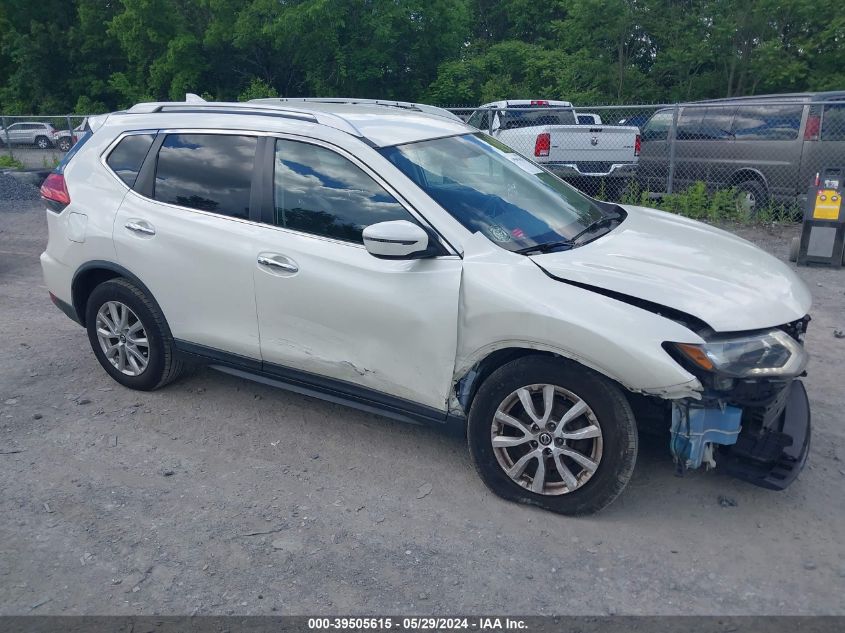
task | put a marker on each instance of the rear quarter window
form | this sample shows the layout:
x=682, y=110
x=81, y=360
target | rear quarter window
x=126, y=158
x=833, y=123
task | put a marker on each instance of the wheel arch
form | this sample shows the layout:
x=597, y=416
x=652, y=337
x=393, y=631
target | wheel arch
x=92, y=274
x=748, y=173
x=470, y=378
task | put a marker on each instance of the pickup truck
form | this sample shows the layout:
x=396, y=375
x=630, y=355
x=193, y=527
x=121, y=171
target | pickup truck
x=548, y=133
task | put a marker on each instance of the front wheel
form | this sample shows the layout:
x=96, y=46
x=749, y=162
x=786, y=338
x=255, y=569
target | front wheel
x=130, y=337
x=548, y=432
x=64, y=144
x=42, y=142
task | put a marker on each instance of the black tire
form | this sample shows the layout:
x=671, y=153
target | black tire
x=64, y=144
x=611, y=409
x=163, y=366
x=752, y=191
x=42, y=142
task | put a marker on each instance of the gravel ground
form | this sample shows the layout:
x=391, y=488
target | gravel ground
x=218, y=495
x=16, y=189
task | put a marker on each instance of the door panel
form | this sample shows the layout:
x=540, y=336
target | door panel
x=198, y=267
x=385, y=325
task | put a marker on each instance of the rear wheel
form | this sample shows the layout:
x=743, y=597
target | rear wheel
x=130, y=337
x=549, y=432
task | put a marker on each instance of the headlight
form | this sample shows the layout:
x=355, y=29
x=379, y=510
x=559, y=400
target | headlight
x=766, y=354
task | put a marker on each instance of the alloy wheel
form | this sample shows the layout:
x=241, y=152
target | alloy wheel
x=546, y=439
x=122, y=338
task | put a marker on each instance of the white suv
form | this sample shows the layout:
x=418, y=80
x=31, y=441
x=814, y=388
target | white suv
x=388, y=256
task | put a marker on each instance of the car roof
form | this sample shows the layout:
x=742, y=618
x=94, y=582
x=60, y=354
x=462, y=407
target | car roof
x=380, y=123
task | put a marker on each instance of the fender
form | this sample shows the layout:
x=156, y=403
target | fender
x=80, y=291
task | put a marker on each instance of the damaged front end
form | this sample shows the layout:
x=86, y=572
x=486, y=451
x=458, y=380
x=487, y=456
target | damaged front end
x=753, y=418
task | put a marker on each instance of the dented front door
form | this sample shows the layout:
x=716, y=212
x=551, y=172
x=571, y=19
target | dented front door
x=332, y=309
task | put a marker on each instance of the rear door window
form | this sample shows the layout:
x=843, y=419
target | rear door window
x=767, y=122
x=126, y=158
x=209, y=172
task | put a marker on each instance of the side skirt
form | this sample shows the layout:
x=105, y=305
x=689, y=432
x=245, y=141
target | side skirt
x=314, y=385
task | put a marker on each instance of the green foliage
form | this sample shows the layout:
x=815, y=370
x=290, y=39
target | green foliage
x=7, y=162
x=257, y=89
x=90, y=55
x=716, y=207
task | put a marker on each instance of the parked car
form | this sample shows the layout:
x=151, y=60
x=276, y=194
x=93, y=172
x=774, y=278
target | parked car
x=64, y=140
x=399, y=261
x=28, y=133
x=548, y=133
x=768, y=147
x=585, y=118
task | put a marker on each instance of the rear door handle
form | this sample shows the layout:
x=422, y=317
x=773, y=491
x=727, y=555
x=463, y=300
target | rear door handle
x=140, y=226
x=279, y=262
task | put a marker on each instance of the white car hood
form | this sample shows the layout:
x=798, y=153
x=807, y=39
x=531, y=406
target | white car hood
x=725, y=281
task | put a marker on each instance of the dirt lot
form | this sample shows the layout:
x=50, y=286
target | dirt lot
x=217, y=495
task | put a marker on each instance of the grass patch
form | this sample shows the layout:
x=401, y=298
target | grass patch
x=7, y=162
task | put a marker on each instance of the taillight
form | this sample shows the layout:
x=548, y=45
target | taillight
x=638, y=143
x=543, y=144
x=811, y=130
x=539, y=102
x=54, y=192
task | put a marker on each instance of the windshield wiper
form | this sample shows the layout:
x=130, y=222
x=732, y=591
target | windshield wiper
x=545, y=248
x=606, y=221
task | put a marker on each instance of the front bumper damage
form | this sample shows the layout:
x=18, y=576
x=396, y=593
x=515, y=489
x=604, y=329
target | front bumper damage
x=765, y=444
x=757, y=430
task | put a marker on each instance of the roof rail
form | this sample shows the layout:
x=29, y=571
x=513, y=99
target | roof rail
x=266, y=109
x=407, y=105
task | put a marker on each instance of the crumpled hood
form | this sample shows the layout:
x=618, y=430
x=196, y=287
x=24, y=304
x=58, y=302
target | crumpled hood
x=725, y=281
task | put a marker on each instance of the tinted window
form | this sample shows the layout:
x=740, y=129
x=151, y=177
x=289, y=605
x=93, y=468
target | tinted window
x=717, y=123
x=210, y=172
x=767, y=123
x=657, y=128
x=480, y=119
x=689, y=122
x=318, y=191
x=518, y=117
x=125, y=159
x=833, y=123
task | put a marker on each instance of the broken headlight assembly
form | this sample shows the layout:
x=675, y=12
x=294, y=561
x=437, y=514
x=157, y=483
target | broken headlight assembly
x=769, y=354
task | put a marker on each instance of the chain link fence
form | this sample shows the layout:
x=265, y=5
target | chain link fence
x=718, y=159
x=715, y=159
x=37, y=141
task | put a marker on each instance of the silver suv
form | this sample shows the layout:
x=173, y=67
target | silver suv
x=28, y=133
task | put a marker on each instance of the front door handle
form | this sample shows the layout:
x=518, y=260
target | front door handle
x=279, y=262
x=140, y=226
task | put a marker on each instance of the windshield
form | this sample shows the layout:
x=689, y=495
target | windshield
x=489, y=187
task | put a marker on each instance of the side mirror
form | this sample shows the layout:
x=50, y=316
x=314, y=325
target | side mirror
x=397, y=239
